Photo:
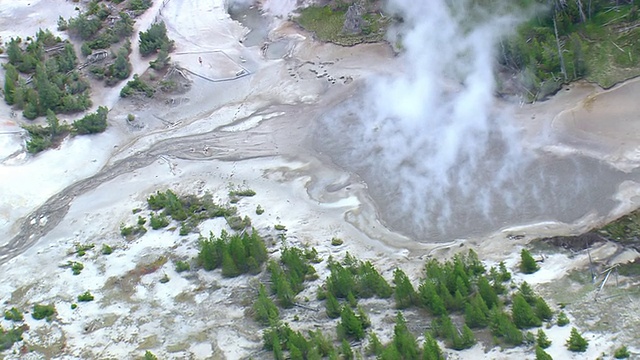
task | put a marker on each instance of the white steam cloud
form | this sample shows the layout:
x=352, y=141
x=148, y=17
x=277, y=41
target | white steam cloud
x=439, y=159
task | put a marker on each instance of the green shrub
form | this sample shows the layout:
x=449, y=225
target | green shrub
x=335, y=241
x=81, y=250
x=106, y=249
x=85, y=297
x=92, y=123
x=182, y=266
x=13, y=314
x=43, y=311
x=280, y=227
x=137, y=85
x=259, y=210
x=158, y=221
x=621, y=353
x=148, y=355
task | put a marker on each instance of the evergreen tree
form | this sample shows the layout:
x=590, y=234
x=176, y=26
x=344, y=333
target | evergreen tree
x=229, y=268
x=465, y=340
x=542, y=340
x=295, y=353
x=375, y=347
x=405, y=295
x=350, y=324
x=10, y=83
x=502, y=326
x=576, y=342
x=403, y=340
x=505, y=275
x=522, y=314
x=431, y=349
x=277, y=348
x=527, y=264
x=541, y=354
x=14, y=52
x=562, y=319
x=476, y=313
x=430, y=299
x=264, y=309
x=345, y=350
x=542, y=310
x=332, y=306
x=527, y=293
x=487, y=292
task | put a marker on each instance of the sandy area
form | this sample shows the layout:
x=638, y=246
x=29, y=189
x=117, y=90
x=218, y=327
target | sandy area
x=253, y=131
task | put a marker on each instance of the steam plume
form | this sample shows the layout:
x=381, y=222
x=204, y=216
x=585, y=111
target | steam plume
x=434, y=151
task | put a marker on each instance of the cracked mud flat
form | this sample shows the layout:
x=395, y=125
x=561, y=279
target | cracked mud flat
x=255, y=130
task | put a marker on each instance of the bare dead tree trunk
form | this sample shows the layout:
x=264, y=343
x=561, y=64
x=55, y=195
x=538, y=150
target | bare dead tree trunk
x=583, y=18
x=555, y=29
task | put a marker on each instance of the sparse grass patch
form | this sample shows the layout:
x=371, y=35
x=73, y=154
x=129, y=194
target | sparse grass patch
x=327, y=24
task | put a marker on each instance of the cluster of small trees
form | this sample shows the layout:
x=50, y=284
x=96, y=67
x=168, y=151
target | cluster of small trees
x=235, y=254
x=119, y=70
x=90, y=26
x=155, y=39
x=354, y=278
x=566, y=42
x=53, y=82
x=289, y=274
x=44, y=137
x=190, y=210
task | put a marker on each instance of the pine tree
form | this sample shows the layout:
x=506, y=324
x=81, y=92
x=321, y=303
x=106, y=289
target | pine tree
x=502, y=326
x=431, y=349
x=527, y=293
x=351, y=324
x=14, y=53
x=332, y=306
x=522, y=313
x=405, y=295
x=562, y=319
x=430, y=299
x=375, y=347
x=541, y=354
x=527, y=263
x=403, y=340
x=542, y=340
x=576, y=342
x=345, y=350
x=229, y=268
x=265, y=310
x=487, y=292
x=542, y=310
x=295, y=353
x=10, y=83
x=476, y=312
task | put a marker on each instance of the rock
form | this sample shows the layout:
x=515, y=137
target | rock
x=353, y=20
